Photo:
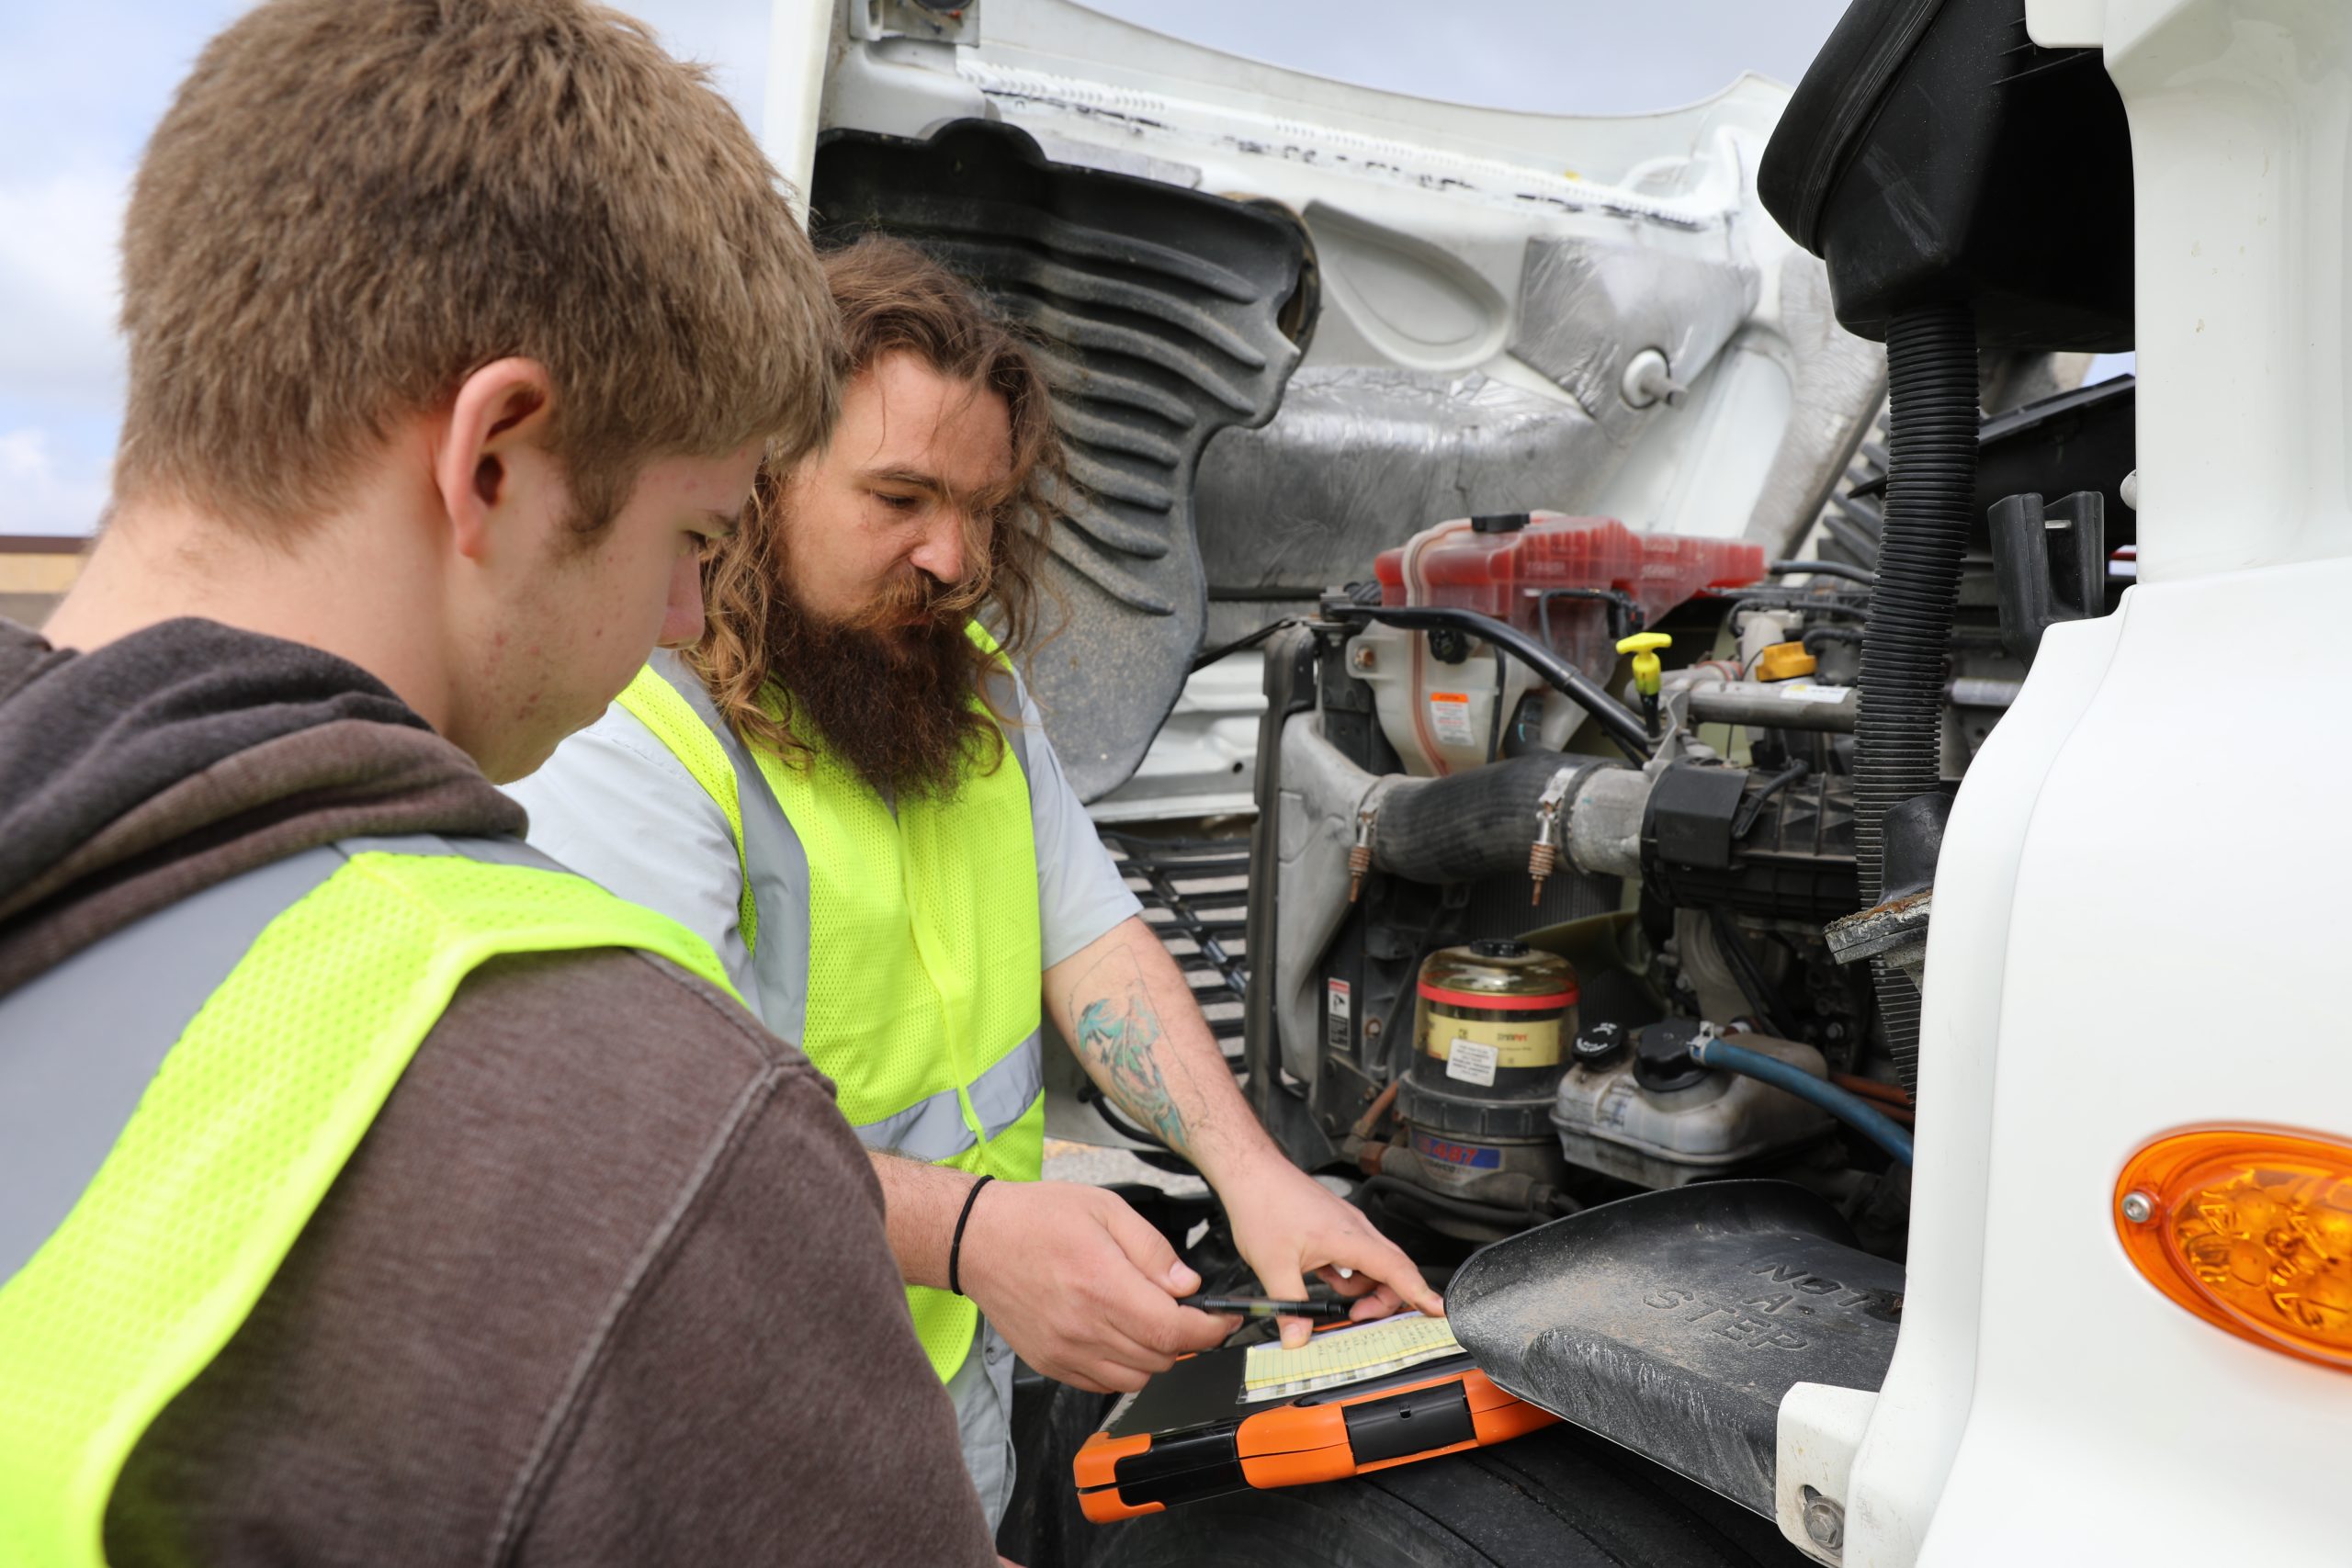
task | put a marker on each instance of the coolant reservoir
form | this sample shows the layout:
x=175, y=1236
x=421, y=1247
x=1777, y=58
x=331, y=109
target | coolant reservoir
x=1439, y=705
x=1618, y=1113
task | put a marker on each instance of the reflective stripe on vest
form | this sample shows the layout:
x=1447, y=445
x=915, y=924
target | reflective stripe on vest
x=271, y=1051
x=768, y=853
x=932, y=1130
x=918, y=921
x=647, y=699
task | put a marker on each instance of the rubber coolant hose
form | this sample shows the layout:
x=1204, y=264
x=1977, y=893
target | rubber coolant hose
x=1932, y=491
x=1844, y=1104
x=1471, y=825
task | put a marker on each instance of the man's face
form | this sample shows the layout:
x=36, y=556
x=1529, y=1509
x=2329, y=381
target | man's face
x=577, y=622
x=886, y=535
x=905, y=492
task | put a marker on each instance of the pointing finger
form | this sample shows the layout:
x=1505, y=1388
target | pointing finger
x=1374, y=1254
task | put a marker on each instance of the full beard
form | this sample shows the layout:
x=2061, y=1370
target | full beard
x=891, y=697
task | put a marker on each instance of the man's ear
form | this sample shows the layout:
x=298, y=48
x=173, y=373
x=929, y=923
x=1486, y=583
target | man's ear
x=501, y=413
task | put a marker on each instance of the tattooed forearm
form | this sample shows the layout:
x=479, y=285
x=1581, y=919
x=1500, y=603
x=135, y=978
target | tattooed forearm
x=1117, y=1032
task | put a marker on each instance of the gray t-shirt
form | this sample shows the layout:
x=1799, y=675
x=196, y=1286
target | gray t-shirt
x=613, y=805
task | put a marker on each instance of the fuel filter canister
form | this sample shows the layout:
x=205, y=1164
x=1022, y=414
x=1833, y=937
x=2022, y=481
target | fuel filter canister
x=1491, y=1026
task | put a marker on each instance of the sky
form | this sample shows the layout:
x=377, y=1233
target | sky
x=81, y=86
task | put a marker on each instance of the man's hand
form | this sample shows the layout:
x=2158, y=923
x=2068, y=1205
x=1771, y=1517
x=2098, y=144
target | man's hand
x=1081, y=1285
x=1287, y=1225
x=1130, y=1015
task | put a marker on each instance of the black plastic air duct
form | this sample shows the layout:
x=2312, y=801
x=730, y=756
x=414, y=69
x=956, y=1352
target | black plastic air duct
x=1932, y=487
x=1917, y=159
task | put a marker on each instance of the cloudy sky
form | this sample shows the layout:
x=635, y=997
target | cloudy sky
x=81, y=86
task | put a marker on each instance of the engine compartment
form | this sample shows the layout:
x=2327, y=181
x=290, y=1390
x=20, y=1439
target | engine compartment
x=1686, y=857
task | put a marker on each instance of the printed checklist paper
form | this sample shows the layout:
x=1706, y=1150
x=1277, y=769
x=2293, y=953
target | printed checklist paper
x=1338, y=1356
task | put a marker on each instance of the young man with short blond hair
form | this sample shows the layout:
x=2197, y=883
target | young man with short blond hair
x=376, y=1190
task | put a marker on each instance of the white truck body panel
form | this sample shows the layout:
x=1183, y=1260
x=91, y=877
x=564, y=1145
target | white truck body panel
x=1420, y=210
x=2111, y=894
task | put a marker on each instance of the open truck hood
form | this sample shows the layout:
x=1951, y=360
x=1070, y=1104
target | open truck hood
x=1292, y=321
x=1158, y=317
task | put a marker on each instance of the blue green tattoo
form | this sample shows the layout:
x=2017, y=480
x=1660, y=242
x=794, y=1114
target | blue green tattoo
x=1119, y=1033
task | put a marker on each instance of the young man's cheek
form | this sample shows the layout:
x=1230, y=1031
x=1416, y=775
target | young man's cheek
x=681, y=620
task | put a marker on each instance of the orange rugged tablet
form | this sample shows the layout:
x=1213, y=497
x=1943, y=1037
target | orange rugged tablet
x=1190, y=1433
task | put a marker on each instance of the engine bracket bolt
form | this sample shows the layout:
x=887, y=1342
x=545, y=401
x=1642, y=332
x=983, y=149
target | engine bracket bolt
x=2138, y=1208
x=1824, y=1522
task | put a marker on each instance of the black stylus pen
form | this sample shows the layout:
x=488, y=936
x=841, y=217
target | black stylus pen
x=1266, y=1306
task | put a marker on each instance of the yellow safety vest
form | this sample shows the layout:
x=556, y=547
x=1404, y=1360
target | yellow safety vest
x=925, y=958
x=237, y=1137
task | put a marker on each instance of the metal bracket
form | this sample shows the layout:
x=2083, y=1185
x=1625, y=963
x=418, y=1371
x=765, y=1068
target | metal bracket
x=933, y=21
x=1820, y=1431
x=1896, y=930
x=2049, y=564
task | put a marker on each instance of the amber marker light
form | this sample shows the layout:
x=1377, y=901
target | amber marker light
x=2249, y=1229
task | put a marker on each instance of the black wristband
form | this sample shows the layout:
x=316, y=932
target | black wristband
x=955, y=1247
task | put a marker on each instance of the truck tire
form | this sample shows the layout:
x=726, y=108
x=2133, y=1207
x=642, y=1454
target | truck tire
x=1560, y=1498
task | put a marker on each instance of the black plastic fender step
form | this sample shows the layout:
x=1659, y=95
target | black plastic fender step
x=1674, y=1323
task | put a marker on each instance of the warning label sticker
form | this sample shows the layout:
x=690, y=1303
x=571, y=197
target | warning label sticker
x=1338, y=1005
x=1471, y=1062
x=1450, y=718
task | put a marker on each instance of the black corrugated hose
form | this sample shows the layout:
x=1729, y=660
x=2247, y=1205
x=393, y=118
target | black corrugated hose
x=1931, y=489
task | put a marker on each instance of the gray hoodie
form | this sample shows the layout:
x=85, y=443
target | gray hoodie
x=604, y=1283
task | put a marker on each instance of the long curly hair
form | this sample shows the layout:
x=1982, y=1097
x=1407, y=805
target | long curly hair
x=894, y=298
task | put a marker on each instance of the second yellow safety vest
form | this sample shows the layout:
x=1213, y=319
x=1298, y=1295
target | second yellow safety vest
x=257, y=1103
x=924, y=957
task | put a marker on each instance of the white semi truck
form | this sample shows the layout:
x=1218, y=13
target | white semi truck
x=1949, y=1157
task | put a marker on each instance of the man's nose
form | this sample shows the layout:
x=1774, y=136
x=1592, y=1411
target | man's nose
x=940, y=553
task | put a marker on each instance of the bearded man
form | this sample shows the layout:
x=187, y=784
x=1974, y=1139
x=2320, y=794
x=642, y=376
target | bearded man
x=847, y=790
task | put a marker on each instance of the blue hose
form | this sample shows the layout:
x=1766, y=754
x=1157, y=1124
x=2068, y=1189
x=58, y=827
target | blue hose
x=1850, y=1108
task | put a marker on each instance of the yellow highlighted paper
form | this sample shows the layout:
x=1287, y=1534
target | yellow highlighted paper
x=1340, y=1356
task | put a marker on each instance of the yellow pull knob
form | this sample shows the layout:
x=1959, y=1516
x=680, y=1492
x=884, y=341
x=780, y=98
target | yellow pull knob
x=1644, y=647
x=1784, y=662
